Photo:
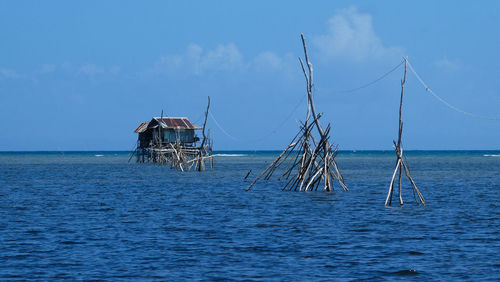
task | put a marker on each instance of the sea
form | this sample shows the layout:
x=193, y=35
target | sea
x=97, y=216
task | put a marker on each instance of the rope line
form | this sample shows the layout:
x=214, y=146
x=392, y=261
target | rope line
x=198, y=119
x=336, y=92
x=289, y=116
x=220, y=127
x=283, y=122
x=428, y=89
x=369, y=83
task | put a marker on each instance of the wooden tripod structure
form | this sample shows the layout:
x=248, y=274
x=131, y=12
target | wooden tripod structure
x=401, y=158
x=311, y=161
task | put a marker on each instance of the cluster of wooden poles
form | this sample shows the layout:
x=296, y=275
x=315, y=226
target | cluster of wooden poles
x=182, y=157
x=313, y=159
x=309, y=164
x=309, y=161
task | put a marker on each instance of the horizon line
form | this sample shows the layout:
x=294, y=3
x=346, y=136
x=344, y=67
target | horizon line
x=254, y=150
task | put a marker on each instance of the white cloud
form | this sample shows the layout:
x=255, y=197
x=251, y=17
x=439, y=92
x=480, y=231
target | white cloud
x=193, y=57
x=224, y=57
x=8, y=73
x=85, y=70
x=197, y=61
x=90, y=70
x=268, y=60
x=449, y=65
x=47, y=68
x=189, y=61
x=351, y=37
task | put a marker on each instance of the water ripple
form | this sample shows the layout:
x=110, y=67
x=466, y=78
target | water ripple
x=81, y=217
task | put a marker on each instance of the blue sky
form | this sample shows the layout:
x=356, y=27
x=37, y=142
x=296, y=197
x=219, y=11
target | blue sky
x=81, y=75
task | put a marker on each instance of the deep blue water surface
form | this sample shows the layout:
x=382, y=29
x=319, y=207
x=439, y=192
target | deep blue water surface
x=95, y=216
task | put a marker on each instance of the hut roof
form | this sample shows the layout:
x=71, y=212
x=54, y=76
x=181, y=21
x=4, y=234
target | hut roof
x=173, y=123
x=142, y=127
x=166, y=123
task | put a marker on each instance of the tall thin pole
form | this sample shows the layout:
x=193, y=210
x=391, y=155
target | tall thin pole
x=401, y=104
x=403, y=82
x=201, y=162
x=310, y=86
x=400, y=162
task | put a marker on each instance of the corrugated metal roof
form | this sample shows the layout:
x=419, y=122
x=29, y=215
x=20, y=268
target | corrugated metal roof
x=166, y=123
x=142, y=127
x=176, y=123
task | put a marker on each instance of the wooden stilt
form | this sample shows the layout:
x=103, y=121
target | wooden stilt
x=400, y=161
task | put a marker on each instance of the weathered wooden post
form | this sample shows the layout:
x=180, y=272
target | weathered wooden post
x=400, y=161
x=201, y=161
x=313, y=159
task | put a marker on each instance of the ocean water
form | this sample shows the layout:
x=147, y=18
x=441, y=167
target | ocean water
x=94, y=216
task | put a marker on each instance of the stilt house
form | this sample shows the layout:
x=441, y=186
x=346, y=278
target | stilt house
x=164, y=130
x=172, y=140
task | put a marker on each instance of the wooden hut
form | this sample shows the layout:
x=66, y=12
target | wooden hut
x=172, y=140
x=164, y=130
